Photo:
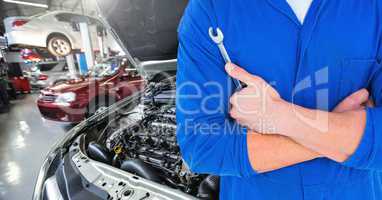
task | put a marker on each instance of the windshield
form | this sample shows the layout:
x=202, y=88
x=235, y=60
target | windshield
x=107, y=68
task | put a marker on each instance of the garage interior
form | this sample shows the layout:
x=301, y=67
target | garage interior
x=91, y=107
x=23, y=131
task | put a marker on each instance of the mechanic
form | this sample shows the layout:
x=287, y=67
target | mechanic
x=304, y=131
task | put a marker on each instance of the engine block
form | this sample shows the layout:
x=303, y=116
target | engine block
x=148, y=146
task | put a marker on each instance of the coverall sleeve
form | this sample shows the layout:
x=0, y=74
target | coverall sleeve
x=369, y=152
x=209, y=141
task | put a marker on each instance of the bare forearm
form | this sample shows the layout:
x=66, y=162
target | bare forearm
x=272, y=152
x=334, y=135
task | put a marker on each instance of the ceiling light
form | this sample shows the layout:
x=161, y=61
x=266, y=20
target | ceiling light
x=27, y=3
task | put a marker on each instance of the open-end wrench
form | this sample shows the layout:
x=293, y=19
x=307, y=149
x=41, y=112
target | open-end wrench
x=218, y=39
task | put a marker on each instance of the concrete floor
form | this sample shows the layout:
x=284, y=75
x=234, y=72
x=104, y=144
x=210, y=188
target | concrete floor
x=25, y=138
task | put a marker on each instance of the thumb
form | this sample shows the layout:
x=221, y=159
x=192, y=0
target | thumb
x=240, y=74
x=354, y=101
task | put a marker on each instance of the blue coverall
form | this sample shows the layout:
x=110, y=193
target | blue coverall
x=336, y=51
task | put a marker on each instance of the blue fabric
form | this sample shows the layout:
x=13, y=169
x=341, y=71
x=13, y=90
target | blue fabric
x=316, y=65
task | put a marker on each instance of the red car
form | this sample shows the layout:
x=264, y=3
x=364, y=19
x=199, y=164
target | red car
x=75, y=100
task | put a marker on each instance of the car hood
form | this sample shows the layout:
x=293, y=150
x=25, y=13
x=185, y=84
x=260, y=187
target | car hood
x=146, y=29
x=70, y=86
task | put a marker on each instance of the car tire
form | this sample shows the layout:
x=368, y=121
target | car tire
x=59, y=46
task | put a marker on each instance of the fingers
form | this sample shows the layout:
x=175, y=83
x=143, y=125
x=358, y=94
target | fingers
x=237, y=116
x=370, y=103
x=360, y=97
x=256, y=82
x=354, y=101
x=240, y=74
x=234, y=114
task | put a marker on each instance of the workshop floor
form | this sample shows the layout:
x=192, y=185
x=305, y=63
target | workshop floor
x=25, y=138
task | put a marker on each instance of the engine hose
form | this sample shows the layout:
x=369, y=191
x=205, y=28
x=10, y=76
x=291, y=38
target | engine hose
x=171, y=182
x=209, y=188
x=99, y=153
x=116, y=161
x=141, y=169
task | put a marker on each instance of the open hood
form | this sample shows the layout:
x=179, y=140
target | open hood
x=147, y=29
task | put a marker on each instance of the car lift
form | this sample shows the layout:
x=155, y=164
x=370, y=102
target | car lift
x=83, y=23
x=71, y=66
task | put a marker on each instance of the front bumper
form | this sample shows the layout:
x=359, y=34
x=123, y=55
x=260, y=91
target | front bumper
x=60, y=113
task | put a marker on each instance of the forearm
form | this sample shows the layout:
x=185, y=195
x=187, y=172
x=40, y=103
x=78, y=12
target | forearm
x=272, y=152
x=334, y=135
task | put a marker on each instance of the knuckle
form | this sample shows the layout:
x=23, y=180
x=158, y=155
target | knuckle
x=255, y=79
x=233, y=113
x=235, y=71
x=232, y=100
x=366, y=92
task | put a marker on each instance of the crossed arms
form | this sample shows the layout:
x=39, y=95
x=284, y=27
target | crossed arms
x=335, y=135
x=351, y=133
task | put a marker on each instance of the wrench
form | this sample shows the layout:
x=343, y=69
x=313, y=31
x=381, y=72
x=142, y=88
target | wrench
x=218, y=39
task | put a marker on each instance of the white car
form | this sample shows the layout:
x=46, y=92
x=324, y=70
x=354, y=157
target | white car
x=52, y=30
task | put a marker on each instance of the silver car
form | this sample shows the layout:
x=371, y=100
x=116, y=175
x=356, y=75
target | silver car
x=52, y=30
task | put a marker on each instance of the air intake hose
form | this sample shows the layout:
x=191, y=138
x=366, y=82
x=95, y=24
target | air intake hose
x=209, y=188
x=99, y=153
x=141, y=169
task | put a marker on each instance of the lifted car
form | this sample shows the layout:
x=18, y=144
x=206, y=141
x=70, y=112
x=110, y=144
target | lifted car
x=52, y=30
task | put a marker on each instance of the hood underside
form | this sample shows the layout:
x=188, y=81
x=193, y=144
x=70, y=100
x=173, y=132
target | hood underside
x=147, y=28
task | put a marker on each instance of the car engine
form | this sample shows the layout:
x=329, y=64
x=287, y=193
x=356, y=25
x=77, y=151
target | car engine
x=143, y=142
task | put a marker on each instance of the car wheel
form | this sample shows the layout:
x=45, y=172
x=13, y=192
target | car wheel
x=59, y=46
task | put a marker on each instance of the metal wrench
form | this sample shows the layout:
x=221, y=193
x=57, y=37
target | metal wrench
x=218, y=39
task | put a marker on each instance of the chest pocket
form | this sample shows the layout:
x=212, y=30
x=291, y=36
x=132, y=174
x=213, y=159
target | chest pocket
x=356, y=74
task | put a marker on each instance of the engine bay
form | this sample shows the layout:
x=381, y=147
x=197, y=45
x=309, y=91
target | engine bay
x=142, y=141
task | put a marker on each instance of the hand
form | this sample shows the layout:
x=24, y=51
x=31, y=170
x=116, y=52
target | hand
x=356, y=101
x=258, y=105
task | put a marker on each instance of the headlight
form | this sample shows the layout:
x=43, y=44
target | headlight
x=65, y=98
